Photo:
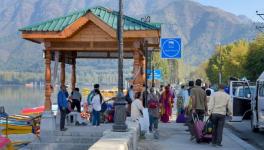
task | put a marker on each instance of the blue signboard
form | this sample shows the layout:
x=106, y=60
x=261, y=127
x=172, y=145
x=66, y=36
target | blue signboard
x=170, y=48
x=157, y=74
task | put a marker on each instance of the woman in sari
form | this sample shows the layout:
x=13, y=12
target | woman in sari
x=166, y=101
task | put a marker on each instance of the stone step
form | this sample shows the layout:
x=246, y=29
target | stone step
x=68, y=139
x=74, y=134
x=58, y=146
x=78, y=133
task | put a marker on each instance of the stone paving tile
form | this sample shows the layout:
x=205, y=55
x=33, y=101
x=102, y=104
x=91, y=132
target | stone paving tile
x=173, y=136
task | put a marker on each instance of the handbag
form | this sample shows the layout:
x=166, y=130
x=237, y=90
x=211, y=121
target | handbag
x=153, y=104
x=181, y=117
x=208, y=127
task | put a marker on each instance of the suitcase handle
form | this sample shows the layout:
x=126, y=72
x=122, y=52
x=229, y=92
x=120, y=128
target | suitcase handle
x=195, y=117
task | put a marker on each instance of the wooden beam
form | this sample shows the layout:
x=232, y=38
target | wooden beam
x=48, y=89
x=90, y=46
x=73, y=77
x=88, y=49
x=62, y=75
x=142, y=34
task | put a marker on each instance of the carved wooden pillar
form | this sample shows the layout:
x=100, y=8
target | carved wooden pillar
x=73, y=77
x=138, y=71
x=48, y=80
x=62, y=74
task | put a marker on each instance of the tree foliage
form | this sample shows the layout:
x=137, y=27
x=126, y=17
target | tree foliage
x=255, y=59
x=161, y=64
x=229, y=60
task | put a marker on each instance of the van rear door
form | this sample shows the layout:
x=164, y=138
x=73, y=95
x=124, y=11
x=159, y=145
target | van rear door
x=240, y=94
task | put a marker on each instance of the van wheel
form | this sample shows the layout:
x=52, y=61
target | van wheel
x=253, y=127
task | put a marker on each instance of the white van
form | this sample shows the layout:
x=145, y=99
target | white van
x=257, y=106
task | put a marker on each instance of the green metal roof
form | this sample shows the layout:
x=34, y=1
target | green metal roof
x=106, y=15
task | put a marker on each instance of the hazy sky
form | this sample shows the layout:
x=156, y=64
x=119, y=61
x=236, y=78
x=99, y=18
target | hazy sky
x=238, y=7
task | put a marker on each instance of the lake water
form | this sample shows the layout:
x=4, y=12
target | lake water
x=15, y=98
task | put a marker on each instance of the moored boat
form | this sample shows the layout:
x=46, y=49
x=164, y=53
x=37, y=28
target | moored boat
x=11, y=131
x=15, y=122
x=4, y=142
x=16, y=127
x=33, y=111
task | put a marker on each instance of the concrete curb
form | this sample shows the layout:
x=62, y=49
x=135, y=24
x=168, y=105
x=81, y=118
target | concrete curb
x=239, y=141
x=119, y=140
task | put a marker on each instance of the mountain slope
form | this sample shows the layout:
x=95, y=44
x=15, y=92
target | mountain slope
x=200, y=27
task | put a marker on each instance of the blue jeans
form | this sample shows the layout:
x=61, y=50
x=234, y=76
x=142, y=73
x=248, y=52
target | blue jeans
x=96, y=118
x=153, y=121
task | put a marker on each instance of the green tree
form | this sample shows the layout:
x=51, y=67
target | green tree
x=254, y=64
x=161, y=64
x=230, y=60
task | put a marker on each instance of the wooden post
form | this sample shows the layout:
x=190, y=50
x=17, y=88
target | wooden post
x=138, y=71
x=47, y=80
x=62, y=74
x=73, y=77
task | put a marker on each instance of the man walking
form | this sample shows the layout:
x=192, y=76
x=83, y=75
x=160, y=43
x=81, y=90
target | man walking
x=199, y=100
x=63, y=106
x=220, y=105
x=199, y=104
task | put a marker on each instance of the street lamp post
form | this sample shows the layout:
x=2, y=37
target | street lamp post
x=120, y=103
x=220, y=64
x=146, y=72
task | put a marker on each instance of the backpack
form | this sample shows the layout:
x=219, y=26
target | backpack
x=103, y=107
x=90, y=97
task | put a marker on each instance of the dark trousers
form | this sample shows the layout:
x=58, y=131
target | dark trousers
x=77, y=103
x=62, y=118
x=218, y=121
x=190, y=122
x=96, y=118
x=153, y=121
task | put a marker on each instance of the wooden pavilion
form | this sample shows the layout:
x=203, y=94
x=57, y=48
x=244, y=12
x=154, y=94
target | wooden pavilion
x=92, y=33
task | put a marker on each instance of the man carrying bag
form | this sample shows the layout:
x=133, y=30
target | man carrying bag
x=220, y=105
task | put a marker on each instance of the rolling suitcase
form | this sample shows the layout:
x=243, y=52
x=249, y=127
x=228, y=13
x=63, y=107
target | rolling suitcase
x=199, y=126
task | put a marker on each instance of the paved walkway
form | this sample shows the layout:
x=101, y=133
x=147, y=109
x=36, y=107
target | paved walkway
x=173, y=136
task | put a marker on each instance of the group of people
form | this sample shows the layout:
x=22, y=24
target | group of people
x=196, y=100
x=159, y=104
x=67, y=104
x=201, y=101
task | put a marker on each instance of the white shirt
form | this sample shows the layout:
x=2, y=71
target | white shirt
x=136, y=107
x=96, y=103
x=220, y=103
